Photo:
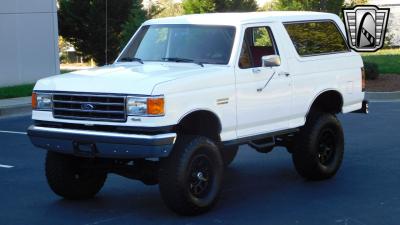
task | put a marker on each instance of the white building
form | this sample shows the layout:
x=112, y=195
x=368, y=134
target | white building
x=28, y=41
x=394, y=19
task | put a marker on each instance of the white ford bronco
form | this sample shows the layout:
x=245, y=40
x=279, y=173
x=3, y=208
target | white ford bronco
x=187, y=91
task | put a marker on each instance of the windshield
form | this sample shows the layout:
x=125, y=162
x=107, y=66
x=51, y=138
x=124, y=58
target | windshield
x=181, y=43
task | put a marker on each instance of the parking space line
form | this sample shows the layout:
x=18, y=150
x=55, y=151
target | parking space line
x=6, y=166
x=12, y=132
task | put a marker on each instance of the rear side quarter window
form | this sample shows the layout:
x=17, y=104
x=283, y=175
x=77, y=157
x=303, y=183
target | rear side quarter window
x=316, y=38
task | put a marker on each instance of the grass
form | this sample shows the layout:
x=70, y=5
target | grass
x=388, y=60
x=66, y=71
x=20, y=90
x=16, y=91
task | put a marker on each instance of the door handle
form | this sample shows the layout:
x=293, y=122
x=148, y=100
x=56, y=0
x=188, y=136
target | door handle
x=284, y=74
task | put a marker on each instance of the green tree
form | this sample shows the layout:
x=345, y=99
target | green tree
x=169, y=8
x=206, y=6
x=235, y=5
x=332, y=6
x=289, y=5
x=198, y=6
x=352, y=3
x=83, y=23
x=268, y=6
x=136, y=17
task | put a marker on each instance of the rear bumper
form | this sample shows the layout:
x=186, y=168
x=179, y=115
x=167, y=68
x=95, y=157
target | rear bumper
x=87, y=143
x=364, y=108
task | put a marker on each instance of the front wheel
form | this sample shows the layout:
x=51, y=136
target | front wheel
x=72, y=177
x=319, y=147
x=190, y=178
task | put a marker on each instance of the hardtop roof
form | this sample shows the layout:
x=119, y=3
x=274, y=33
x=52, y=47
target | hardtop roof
x=235, y=19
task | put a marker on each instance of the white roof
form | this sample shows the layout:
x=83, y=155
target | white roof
x=243, y=18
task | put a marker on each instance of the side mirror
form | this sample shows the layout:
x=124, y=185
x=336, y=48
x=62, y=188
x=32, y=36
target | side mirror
x=271, y=61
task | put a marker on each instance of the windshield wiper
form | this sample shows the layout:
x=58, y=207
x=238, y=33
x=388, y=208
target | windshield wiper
x=131, y=59
x=177, y=59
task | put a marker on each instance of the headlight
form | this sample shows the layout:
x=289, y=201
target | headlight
x=41, y=101
x=145, y=106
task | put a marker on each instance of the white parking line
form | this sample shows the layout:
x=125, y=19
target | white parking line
x=385, y=101
x=6, y=166
x=12, y=132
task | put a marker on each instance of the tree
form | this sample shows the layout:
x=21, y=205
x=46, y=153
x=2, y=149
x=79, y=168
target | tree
x=268, y=6
x=289, y=5
x=352, y=3
x=83, y=23
x=198, y=6
x=168, y=8
x=332, y=6
x=136, y=17
x=206, y=6
x=235, y=5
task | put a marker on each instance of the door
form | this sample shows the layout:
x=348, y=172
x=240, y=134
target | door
x=263, y=93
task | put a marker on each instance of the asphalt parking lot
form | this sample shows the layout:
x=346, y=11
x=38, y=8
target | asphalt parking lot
x=258, y=188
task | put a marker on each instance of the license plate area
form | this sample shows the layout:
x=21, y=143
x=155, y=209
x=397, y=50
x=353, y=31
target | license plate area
x=85, y=149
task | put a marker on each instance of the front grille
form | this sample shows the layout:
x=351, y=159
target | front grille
x=89, y=107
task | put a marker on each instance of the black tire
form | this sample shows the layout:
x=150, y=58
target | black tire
x=190, y=178
x=229, y=154
x=68, y=177
x=319, y=147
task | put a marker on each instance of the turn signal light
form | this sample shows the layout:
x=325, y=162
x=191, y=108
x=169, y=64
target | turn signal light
x=155, y=106
x=34, y=100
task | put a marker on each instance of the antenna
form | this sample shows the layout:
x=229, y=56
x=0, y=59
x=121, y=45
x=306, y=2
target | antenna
x=106, y=51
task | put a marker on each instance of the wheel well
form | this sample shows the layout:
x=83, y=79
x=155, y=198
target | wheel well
x=328, y=101
x=204, y=123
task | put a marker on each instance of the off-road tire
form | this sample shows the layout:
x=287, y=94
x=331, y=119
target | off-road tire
x=180, y=175
x=68, y=177
x=229, y=154
x=319, y=147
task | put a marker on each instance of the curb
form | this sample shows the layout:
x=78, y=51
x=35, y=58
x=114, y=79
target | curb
x=382, y=96
x=15, y=106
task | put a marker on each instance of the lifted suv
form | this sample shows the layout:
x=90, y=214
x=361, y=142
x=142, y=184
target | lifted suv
x=187, y=91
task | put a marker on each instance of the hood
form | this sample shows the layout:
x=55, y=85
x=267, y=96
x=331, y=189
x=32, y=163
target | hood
x=127, y=78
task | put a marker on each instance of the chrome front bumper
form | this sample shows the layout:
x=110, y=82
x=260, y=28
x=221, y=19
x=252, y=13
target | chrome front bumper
x=88, y=143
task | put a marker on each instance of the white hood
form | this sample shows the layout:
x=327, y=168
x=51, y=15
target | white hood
x=126, y=78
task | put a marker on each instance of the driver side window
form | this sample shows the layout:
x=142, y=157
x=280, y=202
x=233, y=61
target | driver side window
x=257, y=42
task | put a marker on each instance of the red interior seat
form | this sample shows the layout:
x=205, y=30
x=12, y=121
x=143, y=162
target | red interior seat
x=259, y=51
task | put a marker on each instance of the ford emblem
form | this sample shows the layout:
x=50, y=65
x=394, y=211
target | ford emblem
x=87, y=106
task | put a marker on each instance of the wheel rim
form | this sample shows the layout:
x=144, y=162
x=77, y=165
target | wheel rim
x=81, y=172
x=200, y=176
x=326, y=147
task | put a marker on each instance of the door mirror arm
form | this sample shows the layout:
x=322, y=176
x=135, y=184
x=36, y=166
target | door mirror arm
x=270, y=61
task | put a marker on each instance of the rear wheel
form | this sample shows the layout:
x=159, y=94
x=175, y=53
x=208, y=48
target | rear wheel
x=72, y=177
x=319, y=147
x=190, y=178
